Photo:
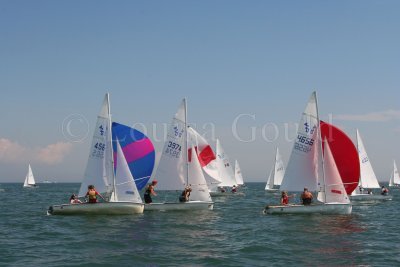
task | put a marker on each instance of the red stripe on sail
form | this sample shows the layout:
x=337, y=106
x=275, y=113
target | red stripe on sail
x=336, y=191
x=206, y=155
x=345, y=154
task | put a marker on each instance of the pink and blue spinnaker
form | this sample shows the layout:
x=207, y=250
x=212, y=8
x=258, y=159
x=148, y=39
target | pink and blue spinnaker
x=138, y=151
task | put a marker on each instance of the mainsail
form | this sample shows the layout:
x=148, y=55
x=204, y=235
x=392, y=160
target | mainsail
x=99, y=171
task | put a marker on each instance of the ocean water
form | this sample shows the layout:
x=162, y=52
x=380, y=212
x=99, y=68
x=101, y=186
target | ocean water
x=235, y=233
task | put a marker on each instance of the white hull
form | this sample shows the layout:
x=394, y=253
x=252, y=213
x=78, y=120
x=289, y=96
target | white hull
x=271, y=190
x=369, y=197
x=107, y=208
x=30, y=186
x=190, y=205
x=329, y=208
x=219, y=194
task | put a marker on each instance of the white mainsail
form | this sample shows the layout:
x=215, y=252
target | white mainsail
x=277, y=172
x=99, y=168
x=29, y=179
x=172, y=167
x=238, y=174
x=125, y=186
x=367, y=175
x=394, y=178
x=303, y=169
x=226, y=173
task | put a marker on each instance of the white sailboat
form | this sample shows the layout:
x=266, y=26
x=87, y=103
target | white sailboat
x=368, y=178
x=30, y=179
x=308, y=167
x=207, y=158
x=394, y=177
x=238, y=174
x=176, y=170
x=119, y=187
x=227, y=176
x=276, y=174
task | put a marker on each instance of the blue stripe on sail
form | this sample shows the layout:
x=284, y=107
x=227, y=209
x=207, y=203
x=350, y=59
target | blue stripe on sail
x=141, y=169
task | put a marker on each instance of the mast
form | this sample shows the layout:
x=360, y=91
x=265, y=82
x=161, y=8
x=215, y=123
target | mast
x=186, y=145
x=320, y=145
x=276, y=159
x=111, y=147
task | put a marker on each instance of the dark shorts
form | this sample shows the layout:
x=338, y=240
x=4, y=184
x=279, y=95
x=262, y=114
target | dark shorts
x=182, y=199
x=307, y=201
x=147, y=199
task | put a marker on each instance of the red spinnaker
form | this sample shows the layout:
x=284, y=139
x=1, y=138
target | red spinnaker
x=345, y=154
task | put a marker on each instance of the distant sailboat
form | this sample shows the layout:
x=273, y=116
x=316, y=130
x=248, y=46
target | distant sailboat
x=29, y=179
x=238, y=174
x=368, y=178
x=309, y=166
x=227, y=176
x=394, y=177
x=276, y=174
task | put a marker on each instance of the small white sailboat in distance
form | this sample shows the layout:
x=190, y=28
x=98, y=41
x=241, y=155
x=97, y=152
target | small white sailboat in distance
x=394, y=177
x=309, y=167
x=29, y=179
x=276, y=174
x=238, y=174
x=368, y=178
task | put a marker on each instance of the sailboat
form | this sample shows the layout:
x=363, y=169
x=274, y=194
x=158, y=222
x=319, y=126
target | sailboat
x=117, y=186
x=30, y=179
x=310, y=167
x=227, y=175
x=178, y=169
x=238, y=174
x=394, y=177
x=367, y=178
x=207, y=159
x=276, y=174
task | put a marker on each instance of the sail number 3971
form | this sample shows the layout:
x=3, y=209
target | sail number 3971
x=173, y=149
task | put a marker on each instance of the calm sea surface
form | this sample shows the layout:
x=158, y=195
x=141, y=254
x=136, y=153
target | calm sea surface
x=235, y=233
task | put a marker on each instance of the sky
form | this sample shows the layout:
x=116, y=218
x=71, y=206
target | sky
x=247, y=69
